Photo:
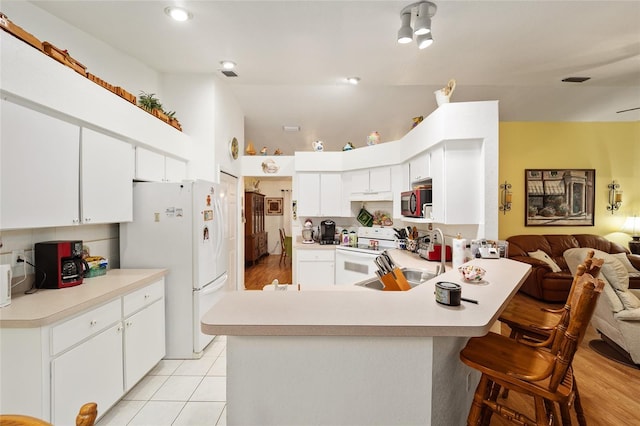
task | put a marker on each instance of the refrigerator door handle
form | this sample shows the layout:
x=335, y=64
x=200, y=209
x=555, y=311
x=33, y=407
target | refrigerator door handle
x=215, y=287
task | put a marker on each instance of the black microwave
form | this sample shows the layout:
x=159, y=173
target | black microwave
x=413, y=203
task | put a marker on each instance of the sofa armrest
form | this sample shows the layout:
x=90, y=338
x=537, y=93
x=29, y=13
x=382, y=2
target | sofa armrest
x=635, y=260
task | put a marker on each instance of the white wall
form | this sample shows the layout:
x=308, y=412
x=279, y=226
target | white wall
x=100, y=59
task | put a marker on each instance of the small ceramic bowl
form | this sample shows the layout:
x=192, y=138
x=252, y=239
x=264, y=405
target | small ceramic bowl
x=471, y=273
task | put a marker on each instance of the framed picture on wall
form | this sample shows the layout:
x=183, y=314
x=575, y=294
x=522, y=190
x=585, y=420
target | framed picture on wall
x=562, y=197
x=274, y=206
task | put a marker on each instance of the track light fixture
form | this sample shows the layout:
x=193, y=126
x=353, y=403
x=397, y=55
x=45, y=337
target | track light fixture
x=421, y=12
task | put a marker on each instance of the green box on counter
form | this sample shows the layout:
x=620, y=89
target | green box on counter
x=97, y=267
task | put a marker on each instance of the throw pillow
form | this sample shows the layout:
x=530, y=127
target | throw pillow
x=540, y=255
x=622, y=258
x=612, y=272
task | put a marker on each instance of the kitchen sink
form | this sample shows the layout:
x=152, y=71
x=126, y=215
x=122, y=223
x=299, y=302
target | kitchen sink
x=415, y=277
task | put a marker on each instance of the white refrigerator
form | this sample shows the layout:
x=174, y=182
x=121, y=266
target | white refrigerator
x=181, y=227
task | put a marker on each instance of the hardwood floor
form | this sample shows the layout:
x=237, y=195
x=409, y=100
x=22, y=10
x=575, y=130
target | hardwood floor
x=266, y=270
x=608, y=389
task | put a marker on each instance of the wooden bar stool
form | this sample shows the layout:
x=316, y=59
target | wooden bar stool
x=541, y=371
x=528, y=320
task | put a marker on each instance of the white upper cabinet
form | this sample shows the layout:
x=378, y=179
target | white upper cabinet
x=48, y=181
x=152, y=166
x=320, y=194
x=107, y=179
x=174, y=170
x=39, y=171
x=419, y=167
x=370, y=184
x=457, y=185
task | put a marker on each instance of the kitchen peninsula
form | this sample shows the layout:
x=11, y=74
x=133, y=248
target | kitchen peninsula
x=357, y=357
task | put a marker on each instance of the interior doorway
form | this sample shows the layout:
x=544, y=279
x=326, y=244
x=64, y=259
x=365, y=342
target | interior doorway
x=272, y=262
x=231, y=183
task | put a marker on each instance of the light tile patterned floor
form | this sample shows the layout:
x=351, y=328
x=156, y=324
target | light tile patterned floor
x=177, y=393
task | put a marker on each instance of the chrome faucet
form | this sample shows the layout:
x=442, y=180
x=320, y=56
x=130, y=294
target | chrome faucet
x=443, y=253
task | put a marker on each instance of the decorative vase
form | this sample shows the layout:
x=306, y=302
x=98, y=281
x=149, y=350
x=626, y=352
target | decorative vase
x=444, y=95
x=318, y=146
x=250, y=149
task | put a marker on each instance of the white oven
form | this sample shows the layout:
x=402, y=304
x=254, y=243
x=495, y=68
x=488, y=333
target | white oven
x=355, y=264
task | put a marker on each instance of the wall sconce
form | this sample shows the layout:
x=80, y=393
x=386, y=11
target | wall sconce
x=615, y=197
x=505, y=197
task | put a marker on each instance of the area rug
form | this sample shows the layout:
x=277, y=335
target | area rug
x=607, y=351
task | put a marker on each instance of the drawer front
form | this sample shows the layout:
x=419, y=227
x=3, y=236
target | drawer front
x=84, y=325
x=142, y=297
x=320, y=255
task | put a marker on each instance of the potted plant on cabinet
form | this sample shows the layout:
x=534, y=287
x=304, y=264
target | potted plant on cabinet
x=150, y=103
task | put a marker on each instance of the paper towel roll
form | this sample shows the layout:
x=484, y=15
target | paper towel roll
x=458, y=252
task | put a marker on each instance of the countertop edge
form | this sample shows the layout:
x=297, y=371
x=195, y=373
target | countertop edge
x=345, y=330
x=73, y=309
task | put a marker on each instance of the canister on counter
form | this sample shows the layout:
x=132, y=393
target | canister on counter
x=448, y=293
x=345, y=237
x=353, y=239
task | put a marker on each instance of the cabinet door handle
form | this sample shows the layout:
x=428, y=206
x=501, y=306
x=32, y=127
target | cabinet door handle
x=119, y=329
x=146, y=296
x=129, y=323
x=87, y=219
x=93, y=323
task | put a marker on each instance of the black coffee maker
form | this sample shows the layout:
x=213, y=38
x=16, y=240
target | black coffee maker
x=327, y=232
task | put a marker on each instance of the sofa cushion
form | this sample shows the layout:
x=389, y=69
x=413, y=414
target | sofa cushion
x=628, y=315
x=540, y=255
x=612, y=272
x=622, y=258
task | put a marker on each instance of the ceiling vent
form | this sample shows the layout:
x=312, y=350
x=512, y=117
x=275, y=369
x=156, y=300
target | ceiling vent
x=229, y=73
x=576, y=79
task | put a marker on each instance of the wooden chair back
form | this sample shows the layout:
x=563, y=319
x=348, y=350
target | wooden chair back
x=86, y=417
x=584, y=299
x=590, y=267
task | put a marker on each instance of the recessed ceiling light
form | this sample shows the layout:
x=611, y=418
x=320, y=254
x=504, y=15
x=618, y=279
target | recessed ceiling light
x=353, y=80
x=178, y=14
x=228, y=65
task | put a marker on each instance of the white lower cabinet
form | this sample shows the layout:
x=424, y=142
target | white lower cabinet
x=90, y=372
x=98, y=355
x=143, y=342
x=315, y=267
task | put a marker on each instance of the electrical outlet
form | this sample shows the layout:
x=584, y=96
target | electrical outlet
x=15, y=254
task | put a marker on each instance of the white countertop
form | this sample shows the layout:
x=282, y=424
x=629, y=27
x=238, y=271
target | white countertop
x=47, y=306
x=371, y=313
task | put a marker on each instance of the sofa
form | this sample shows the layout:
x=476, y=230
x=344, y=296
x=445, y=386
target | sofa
x=550, y=278
x=617, y=313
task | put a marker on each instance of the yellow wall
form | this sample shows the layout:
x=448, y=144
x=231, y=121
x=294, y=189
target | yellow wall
x=612, y=149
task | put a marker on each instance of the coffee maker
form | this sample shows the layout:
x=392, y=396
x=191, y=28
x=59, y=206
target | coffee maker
x=59, y=264
x=328, y=232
